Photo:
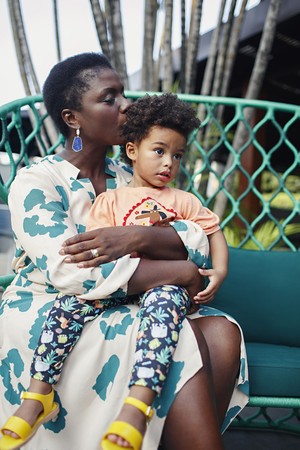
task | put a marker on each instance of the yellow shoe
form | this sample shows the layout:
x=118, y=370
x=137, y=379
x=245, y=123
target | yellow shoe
x=125, y=430
x=22, y=428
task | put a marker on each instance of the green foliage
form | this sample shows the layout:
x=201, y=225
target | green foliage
x=266, y=235
x=282, y=200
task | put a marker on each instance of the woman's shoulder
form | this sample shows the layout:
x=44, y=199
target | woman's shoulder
x=42, y=173
x=121, y=172
x=37, y=165
x=42, y=165
x=117, y=166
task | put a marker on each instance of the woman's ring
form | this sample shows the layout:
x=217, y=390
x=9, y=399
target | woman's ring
x=94, y=252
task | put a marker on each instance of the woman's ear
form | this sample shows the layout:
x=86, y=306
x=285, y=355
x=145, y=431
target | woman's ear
x=131, y=151
x=69, y=118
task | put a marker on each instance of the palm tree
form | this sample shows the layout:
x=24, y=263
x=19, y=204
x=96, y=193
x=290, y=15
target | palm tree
x=26, y=68
x=213, y=51
x=56, y=26
x=232, y=49
x=148, y=73
x=222, y=55
x=226, y=58
x=183, y=46
x=28, y=75
x=253, y=91
x=167, y=81
x=190, y=66
x=114, y=18
x=101, y=27
x=109, y=29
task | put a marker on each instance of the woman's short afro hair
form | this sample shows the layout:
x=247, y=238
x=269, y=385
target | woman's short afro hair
x=165, y=110
x=67, y=81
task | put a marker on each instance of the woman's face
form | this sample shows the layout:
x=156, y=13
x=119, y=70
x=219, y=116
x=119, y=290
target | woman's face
x=103, y=110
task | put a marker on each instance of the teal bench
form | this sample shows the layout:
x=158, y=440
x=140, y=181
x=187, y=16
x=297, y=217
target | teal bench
x=262, y=290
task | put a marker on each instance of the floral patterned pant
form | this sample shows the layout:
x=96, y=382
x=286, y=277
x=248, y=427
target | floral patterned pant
x=162, y=311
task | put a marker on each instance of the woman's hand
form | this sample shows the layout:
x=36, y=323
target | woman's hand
x=108, y=243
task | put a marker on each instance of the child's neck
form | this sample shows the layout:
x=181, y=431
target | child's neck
x=138, y=184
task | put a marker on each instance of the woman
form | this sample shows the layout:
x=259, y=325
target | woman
x=49, y=204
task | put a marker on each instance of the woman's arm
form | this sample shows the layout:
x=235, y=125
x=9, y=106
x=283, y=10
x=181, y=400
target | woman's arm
x=113, y=242
x=42, y=219
x=157, y=242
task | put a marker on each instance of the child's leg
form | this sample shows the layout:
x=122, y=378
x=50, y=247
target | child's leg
x=163, y=310
x=61, y=331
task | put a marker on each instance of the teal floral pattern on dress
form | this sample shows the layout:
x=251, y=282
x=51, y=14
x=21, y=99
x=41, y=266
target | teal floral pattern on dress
x=11, y=368
x=107, y=376
x=97, y=374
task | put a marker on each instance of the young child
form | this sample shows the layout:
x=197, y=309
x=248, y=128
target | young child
x=156, y=134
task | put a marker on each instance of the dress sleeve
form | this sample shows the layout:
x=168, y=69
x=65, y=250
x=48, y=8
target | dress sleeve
x=198, y=222
x=43, y=216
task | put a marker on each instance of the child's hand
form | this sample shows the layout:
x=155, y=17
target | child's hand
x=193, y=308
x=216, y=278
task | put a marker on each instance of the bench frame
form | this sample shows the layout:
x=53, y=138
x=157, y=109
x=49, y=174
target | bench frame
x=12, y=120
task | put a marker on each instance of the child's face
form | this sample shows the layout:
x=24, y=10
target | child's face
x=156, y=159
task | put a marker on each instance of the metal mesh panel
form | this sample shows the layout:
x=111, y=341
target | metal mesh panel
x=256, y=178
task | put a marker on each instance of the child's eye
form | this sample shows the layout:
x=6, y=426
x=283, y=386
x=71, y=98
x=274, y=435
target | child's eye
x=159, y=151
x=178, y=156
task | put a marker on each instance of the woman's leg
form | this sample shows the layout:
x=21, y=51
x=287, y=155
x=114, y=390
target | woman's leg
x=223, y=339
x=61, y=331
x=192, y=421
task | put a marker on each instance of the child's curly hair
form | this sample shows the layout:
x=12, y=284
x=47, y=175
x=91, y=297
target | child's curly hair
x=165, y=110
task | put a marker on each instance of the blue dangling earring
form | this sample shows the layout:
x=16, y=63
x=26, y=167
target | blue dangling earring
x=77, y=142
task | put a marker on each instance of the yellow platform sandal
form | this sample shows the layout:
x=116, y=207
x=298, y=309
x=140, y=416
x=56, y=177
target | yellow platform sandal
x=127, y=431
x=22, y=428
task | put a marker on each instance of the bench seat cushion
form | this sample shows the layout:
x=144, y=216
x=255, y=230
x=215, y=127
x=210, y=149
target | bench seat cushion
x=274, y=370
x=262, y=292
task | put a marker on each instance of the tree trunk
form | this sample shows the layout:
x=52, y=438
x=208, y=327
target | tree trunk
x=192, y=47
x=101, y=27
x=183, y=48
x=27, y=72
x=231, y=55
x=56, y=26
x=216, y=69
x=167, y=81
x=213, y=51
x=253, y=90
x=148, y=74
x=232, y=49
x=116, y=31
x=223, y=51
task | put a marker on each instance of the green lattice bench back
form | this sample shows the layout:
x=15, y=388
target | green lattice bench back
x=256, y=193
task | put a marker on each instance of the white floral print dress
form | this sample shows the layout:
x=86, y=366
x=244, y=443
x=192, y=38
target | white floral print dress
x=49, y=204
